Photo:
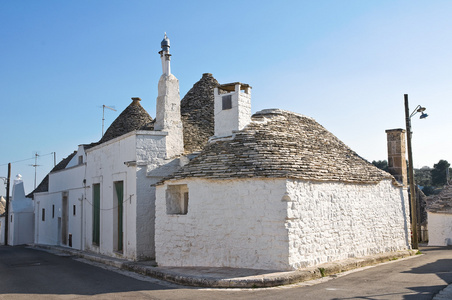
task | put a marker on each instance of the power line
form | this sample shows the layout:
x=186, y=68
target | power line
x=17, y=161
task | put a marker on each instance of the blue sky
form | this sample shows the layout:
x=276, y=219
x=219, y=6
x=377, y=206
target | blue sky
x=347, y=64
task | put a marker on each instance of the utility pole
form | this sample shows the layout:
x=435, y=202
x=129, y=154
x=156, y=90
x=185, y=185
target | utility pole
x=7, y=205
x=413, y=199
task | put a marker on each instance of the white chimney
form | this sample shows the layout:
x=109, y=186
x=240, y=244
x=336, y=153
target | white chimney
x=232, y=108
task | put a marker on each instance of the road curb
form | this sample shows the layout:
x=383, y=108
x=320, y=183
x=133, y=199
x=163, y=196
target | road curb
x=258, y=281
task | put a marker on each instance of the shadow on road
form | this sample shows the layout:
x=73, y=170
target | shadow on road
x=441, y=268
x=29, y=271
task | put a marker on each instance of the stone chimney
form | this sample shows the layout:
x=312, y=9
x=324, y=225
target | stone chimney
x=232, y=108
x=396, y=154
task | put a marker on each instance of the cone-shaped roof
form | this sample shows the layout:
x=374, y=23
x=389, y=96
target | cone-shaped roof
x=281, y=144
x=134, y=117
x=197, y=110
x=441, y=202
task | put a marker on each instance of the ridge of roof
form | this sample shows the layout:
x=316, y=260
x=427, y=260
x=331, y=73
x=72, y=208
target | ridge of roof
x=281, y=144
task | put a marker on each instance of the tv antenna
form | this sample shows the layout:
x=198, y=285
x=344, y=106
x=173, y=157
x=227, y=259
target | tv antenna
x=103, y=115
x=35, y=165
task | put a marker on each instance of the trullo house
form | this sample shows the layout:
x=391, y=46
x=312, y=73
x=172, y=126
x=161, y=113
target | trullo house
x=277, y=191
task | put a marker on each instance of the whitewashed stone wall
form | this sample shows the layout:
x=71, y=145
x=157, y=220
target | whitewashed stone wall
x=230, y=223
x=105, y=165
x=279, y=224
x=68, y=181
x=439, y=229
x=132, y=158
x=328, y=221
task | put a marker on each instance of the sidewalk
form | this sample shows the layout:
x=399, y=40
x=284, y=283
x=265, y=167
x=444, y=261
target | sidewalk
x=230, y=277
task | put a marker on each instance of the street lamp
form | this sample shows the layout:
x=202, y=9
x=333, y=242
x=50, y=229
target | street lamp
x=418, y=109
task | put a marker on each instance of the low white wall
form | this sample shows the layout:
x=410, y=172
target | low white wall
x=439, y=229
x=21, y=229
x=330, y=221
x=48, y=232
x=230, y=223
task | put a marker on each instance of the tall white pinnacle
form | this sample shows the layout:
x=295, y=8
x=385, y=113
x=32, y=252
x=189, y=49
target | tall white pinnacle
x=168, y=105
x=165, y=56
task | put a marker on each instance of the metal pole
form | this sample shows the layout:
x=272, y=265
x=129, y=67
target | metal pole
x=414, y=240
x=7, y=220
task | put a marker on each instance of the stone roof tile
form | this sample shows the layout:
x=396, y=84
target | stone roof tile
x=197, y=113
x=281, y=144
x=442, y=202
x=134, y=117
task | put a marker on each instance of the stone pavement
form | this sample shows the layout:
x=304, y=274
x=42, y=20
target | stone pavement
x=229, y=277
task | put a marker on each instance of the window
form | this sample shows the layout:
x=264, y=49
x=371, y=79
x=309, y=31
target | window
x=177, y=199
x=80, y=160
x=53, y=211
x=96, y=214
x=43, y=215
x=73, y=210
x=227, y=101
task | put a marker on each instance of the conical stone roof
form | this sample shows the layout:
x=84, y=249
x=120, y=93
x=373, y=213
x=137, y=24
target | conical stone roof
x=197, y=112
x=281, y=144
x=442, y=202
x=134, y=117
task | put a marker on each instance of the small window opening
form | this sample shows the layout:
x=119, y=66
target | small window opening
x=43, y=214
x=177, y=199
x=80, y=160
x=73, y=210
x=53, y=211
x=227, y=101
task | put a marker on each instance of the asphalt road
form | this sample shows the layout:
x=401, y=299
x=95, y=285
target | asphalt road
x=32, y=274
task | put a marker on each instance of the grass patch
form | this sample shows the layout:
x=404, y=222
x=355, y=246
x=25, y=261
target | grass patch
x=322, y=272
x=394, y=258
x=418, y=252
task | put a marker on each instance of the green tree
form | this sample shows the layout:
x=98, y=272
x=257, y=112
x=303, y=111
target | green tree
x=428, y=190
x=381, y=164
x=439, y=170
x=423, y=176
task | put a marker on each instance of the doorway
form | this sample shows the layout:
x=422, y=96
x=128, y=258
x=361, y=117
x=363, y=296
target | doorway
x=118, y=238
x=64, y=218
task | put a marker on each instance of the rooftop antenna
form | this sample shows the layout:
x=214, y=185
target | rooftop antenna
x=103, y=115
x=35, y=165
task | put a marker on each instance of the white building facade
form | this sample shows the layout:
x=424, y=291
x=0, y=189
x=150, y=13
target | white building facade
x=20, y=216
x=59, y=209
